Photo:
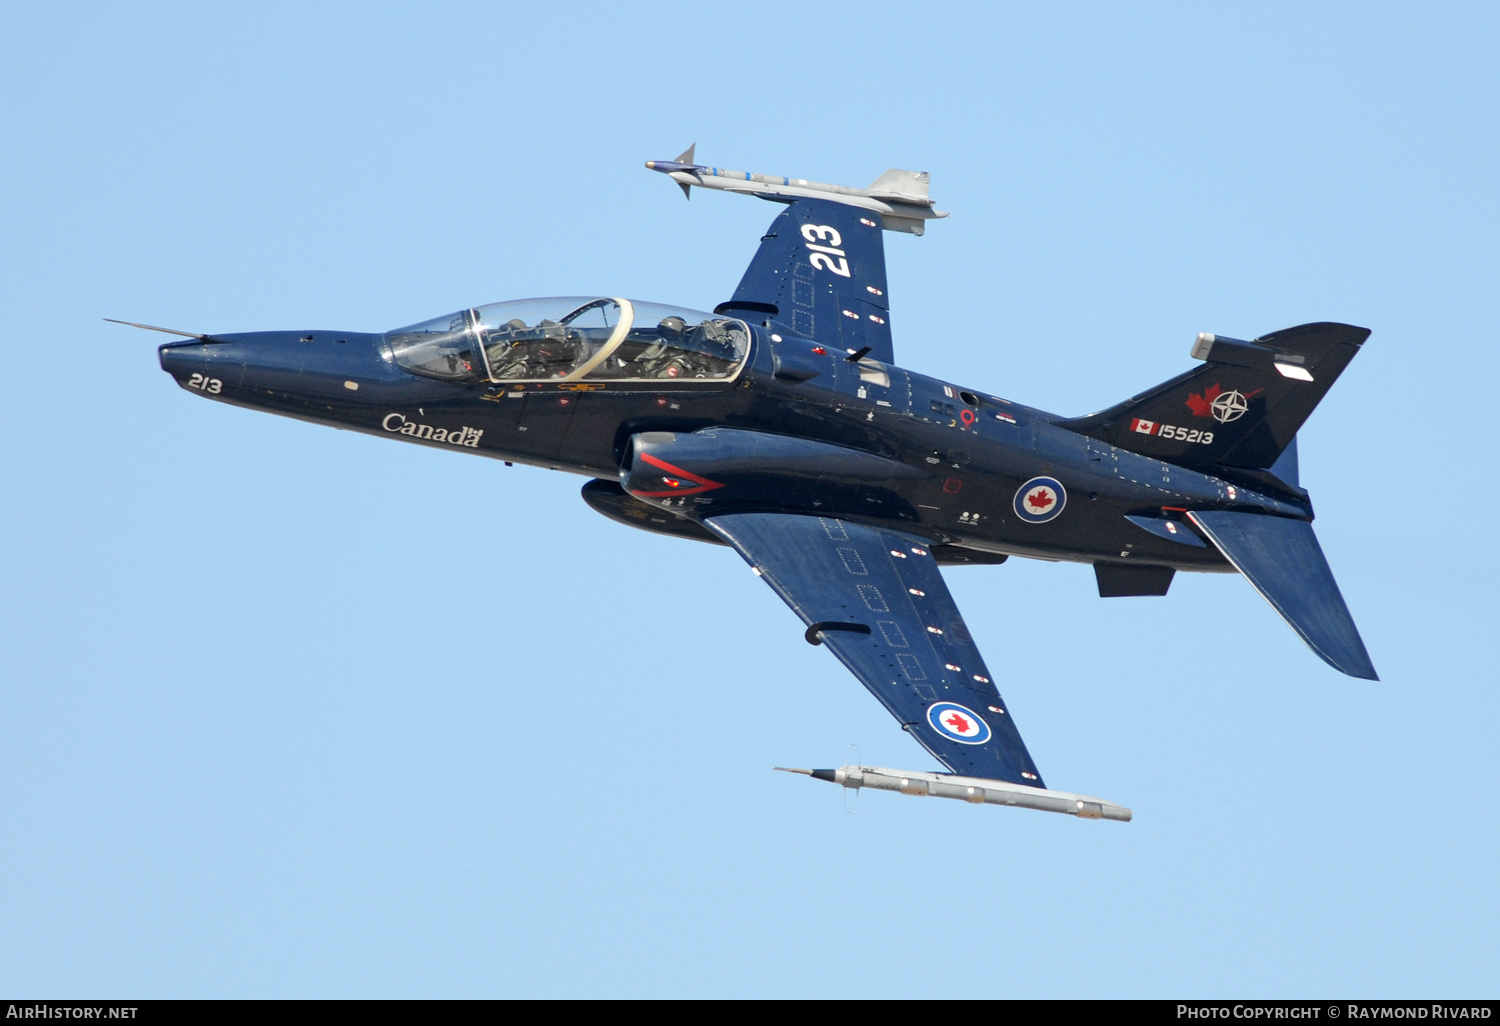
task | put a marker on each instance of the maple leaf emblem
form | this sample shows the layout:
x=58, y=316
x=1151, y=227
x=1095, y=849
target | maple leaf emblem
x=959, y=724
x=1039, y=499
x=1203, y=405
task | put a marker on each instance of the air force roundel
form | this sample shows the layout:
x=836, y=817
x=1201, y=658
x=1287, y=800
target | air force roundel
x=1040, y=499
x=956, y=723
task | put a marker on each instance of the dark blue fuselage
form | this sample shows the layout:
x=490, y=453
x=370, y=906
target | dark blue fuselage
x=950, y=464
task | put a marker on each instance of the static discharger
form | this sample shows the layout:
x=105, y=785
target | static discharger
x=975, y=790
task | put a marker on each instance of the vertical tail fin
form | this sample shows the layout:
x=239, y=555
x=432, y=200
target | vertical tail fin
x=1242, y=408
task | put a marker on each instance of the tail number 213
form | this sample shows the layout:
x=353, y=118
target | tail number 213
x=824, y=241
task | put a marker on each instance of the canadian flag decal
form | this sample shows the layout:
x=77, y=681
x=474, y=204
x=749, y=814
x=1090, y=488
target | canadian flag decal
x=1145, y=427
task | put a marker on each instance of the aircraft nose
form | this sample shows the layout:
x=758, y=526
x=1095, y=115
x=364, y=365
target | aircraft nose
x=257, y=361
x=205, y=367
x=263, y=365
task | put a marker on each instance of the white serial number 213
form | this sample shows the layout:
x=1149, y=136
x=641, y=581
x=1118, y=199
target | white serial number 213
x=205, y=384
x=826, y=257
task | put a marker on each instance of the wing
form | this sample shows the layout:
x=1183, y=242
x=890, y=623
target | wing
x=876, y=598
x=820, y=270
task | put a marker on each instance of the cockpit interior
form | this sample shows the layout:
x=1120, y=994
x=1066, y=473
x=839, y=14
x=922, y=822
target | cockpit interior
x=574, y=339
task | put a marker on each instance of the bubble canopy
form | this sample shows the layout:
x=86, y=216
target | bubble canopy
x=574, y=338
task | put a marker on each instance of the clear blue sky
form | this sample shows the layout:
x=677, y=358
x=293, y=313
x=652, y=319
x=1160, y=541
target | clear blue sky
x=288, y=711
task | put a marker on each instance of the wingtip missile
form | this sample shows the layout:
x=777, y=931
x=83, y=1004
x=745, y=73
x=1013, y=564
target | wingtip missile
x=900, y=197
x=668, y=167
x=682, y=166
x=974, y=790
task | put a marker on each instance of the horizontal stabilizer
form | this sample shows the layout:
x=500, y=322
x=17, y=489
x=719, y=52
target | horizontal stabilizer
x=1282, y=559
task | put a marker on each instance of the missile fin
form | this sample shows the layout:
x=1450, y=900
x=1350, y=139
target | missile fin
x=897, y=186
x=686, y=157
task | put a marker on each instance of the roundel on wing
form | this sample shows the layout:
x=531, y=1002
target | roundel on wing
x=1040, y=499
x=958, y=723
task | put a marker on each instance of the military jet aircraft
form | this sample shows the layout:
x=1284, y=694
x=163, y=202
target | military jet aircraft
x=780, y=425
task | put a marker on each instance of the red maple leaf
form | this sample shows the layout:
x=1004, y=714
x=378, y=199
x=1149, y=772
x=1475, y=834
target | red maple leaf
x=957, y=722
x=1039, y=500
x=1203, y=405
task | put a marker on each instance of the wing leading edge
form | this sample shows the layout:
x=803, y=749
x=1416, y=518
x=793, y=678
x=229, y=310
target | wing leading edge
x=820, y=270
x=876, y=598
